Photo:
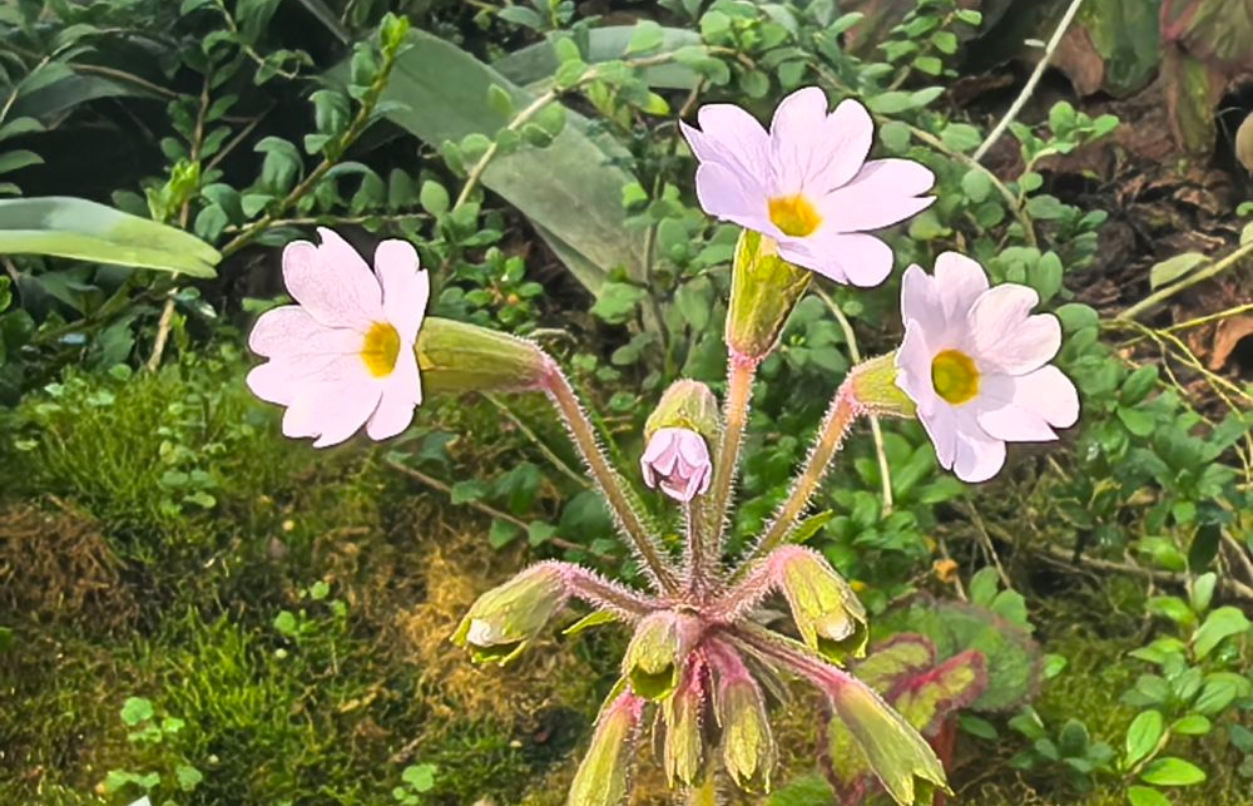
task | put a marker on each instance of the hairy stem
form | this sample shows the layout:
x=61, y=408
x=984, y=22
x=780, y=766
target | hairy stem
x=611, y=485
x=601, y=593
x=734, y=419
x=841, y=414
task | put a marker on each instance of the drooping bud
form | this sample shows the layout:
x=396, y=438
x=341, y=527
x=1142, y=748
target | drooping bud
x=603, y=776
x=897, y=754
x=456, y=357
x=748, y=747
x=677, y=460
x=505, y=619
x=658, y=651
x=873, y=384
x=764, y=290
x=828, y=614
x=684, y=715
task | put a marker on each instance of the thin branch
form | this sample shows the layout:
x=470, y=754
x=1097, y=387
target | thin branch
x=492, y=512
x=1032, y=81
x=876, y=429
x=548, y=452
x=1061, y=557
x=1163, y=294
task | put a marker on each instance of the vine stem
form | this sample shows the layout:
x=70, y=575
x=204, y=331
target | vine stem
x=611, y=484
x=734, y=419
x=841, y=414
x=1032, y=81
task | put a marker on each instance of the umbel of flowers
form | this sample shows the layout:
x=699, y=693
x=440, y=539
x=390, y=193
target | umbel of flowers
x=356, y=350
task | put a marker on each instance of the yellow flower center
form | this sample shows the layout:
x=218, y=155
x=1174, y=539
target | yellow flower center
x=381, y=349
x=794, y=215
x=955, y=377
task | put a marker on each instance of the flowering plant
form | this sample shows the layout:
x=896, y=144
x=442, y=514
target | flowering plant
x=357, y=350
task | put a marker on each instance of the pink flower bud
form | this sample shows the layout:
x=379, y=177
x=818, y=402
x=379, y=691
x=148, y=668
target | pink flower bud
x=749, y=753
x=677, y=460
x=658, y=652
x=603, y=775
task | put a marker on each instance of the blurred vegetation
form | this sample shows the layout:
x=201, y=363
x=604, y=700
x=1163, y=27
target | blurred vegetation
x=193, y=607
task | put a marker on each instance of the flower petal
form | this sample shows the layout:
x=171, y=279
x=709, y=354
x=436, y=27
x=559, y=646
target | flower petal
x=332, y=282
x=797, y=145
x=941, y=426
x=921, y=303
x=913, y=366
x=1025, y=408
x=979, y=456
x=1006, y=337
x=860, y=259
x=848, y=134
x=280, y=329
x=282, y=380
x=961, y=280
x=883, y=193
x=726, y=194
x=333, y=412
x=401, y=394
x=406, y=287
x=732, y=137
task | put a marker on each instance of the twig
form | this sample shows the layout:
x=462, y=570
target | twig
x=1213, y=317
x=988, y=545
x=184, y=217
x=876, y=430
x=1032, y=81
x=492, y=512
x=1163, y=294
x=1062, y=557
x=548, y=452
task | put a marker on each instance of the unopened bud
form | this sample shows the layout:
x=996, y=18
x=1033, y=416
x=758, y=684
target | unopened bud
x=604, y=772
x=896, y=753
x=505, y=619
x=657, y=653
x=873, y=384
x=828, y=615
x=684, y=715
x=677, y=460
x=456, y=357
x=764, y=290
x=748, y=747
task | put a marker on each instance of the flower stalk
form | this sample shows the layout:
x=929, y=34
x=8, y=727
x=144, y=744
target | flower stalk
x=611, y=485
x=734, y=420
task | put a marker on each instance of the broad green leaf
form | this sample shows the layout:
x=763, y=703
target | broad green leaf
x=1192, y=725
x=1222, y=623
x=61, y=226
x=569, y=191
x=1172, y=771
x=928, y=699
x=902, y=655
x=1143, y=735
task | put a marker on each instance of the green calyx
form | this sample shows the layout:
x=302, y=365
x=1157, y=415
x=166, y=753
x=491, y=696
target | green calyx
x=764, y=290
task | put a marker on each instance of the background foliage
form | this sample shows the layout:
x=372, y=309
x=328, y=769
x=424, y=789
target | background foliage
x=192, y=607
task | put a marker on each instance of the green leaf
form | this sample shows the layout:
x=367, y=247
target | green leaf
x=961, y=137
x=1143, y=734
x=593, y=619
x=501, y=533
x=137, y=710
x=1143, y=796
x=536, y=64
x=434, y=198
x=62, y=226
x=421, y=777
x=1202, y=592
x=648, y=35
x=1168, y=271
x=1221, y=623
x=1172, y=771
x=617, y=302
x=188, y=777
x=443, y=92
x=17, y=160
x=1192, y=725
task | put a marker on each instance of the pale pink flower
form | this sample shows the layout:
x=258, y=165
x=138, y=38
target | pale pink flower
x=343, y=357
x=677, y=460
x=975, y=362
x=806, y=183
